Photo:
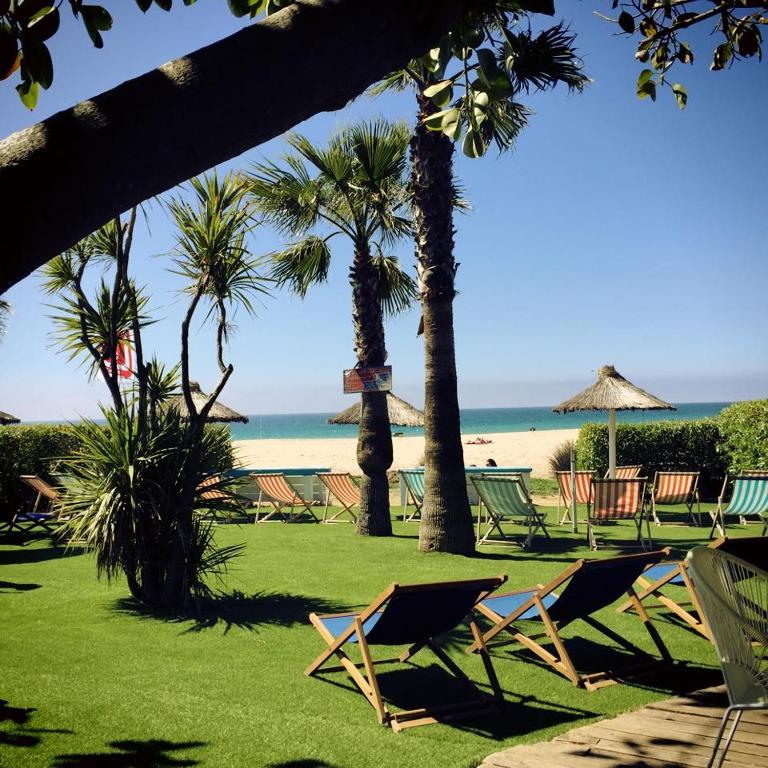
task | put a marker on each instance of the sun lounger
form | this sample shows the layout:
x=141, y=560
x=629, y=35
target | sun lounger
x=505, y=499
x=216, y=496
x=342, y=487
x=611, y=500
x=414, y=483
x=411, y=615
x=274, y=489
x=39, y=512
x=676, y=488
x=627, y=472
x=587, y=586
x=583, y=478
x=749, y=498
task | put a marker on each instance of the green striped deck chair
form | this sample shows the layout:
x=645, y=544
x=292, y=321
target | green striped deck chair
x=505, y=499
x=749, y=498
x=414, y=484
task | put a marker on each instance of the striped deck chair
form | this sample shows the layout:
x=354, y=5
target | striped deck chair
x=587, y=586
x=414, y=484
x=39, y=512
x=611, y=500
x=411, y=615
x=505, y=499
x=221, y=504
x=749, y=498
x=676, y=488
x=654, y=582
x=583, y=478
x=627, y=472
x=342, y=487
x=274, y=488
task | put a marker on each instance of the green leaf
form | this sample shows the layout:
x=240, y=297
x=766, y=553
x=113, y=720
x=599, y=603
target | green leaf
x=164, y=5
x=627, y=22
x=144, y=5
x=723, y=54
x=440, y=93
x=96, y=20
x=45, y=24
x=685, y=54
x=680, y=94
x=473, y=145
x=451, y=124
x=37, y=61
x=434, y=122
x=8, y=53
x=648, y=28
x=547, y=7
x=646, y=86
x=480, y=106
x=24, y=12
x=28, y=91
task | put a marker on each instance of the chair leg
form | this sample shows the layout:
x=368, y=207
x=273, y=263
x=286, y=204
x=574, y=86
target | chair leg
x=718, y=738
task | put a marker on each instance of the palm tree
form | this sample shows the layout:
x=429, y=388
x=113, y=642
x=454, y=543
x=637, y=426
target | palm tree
x=5, y=310
x=486, y=112
x=355, y=188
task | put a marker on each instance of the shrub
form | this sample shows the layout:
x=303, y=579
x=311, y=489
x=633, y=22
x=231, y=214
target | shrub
x=744, y=435
x=658, y=446
x=560, y=458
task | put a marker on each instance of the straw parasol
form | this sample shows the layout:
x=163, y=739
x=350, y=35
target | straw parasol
x=6, y=418
x=401, y=413
x=612, y=392
x=219, y=411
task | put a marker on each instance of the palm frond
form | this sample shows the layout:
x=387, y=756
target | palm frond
x=397, y=289
x=302, y=264
x=396, y=81
x=5, y=311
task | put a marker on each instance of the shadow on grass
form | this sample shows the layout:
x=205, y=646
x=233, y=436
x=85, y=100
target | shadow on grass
x=237, y=610
x=152, y=753
x=38, y=554
x=12, y=586
x=14, y=728
x=309, y=763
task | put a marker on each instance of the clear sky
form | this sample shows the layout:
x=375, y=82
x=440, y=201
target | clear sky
x=618, y=231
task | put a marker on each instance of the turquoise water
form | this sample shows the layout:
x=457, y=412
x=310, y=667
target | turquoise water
x=474, y=421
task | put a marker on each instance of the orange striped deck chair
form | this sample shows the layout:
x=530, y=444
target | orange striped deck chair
x=627, y=472
x=583, y=479
x=274, y=488
x=342, y=487
x=215, y=495
x=611, y=500
x=676, y=488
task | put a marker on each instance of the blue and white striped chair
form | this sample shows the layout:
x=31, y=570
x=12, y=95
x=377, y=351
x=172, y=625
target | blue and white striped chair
x=749, y=498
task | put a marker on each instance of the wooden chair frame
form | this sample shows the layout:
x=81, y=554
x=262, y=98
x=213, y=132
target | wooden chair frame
x=637, y=516
x=561, y=660
x=718, y=516
x=564, y=478
x=363, y=673
x=231, y=504
x=625, y=472
x=279, y=504
x=693, y=497
x=38, y=513
x=418, y=503
x=325, y=479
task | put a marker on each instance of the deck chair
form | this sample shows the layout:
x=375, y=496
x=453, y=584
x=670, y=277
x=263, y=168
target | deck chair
x=676, y=488
x=654, y=582
x=627, y=472
x=611, y=500
x=414, y=484
x=342, y=487
x=39, y=512
x=411, y=615
x=274, y=488
x=749, y=498
x=215, y=495
x=583, y=478
x=587, y=586
x=505, y=499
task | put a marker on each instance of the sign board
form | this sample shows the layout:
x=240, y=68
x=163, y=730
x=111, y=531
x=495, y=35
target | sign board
x=368, y=379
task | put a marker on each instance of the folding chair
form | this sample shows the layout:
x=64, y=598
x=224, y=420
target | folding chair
x=214, y=494
x=749, y=498
x=583, y=478
x=587, y=587
x=627, y=472
x=343, y=488
x=505, y=499
x=414, y=484
x=676, y=488
x=274, y=488
x=653, y=582
x=38, y=512
x=411, y=615
x=611, y=500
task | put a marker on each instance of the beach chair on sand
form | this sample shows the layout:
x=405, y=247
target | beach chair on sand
x=215, y=495
x=627, y=472
x=274, y=488
x=611, y=500
x=505, y=499
x=654, y=583
x=749, y=498
x=586, y=587
x=38, y=512
x=342, y=487
x=414, y=485
x=583, y=478
x=411, y=615
x=676, y=488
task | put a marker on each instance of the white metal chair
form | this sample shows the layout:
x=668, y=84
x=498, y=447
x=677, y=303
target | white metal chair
x=734, y=598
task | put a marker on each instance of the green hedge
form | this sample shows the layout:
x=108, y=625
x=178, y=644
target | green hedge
x=744, y=435
x=659, y=446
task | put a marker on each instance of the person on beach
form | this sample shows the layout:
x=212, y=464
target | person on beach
x=491, y=463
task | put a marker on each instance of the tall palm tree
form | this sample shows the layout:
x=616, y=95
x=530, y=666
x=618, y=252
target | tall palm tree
x=355, y=188
x=5, y=310
x=486, y=112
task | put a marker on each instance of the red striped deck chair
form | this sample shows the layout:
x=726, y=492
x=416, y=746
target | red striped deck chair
x=41, y=510
x=627, y=472
x=583, y=478
x=676, y=488
x=274, y=488
x=342, y=487
x=611, y=500
x=221, y=504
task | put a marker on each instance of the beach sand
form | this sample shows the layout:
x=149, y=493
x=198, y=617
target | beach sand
x=520, y=449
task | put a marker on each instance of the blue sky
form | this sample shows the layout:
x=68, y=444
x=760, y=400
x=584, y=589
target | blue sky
x=618, y=231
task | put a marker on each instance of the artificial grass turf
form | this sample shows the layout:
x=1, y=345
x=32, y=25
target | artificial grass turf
x=91, y=681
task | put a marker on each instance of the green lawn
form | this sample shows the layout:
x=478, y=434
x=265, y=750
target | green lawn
x=88, y=681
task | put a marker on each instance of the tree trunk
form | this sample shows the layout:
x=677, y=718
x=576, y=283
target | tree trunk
x=158, y=130
x=446, y=518
x=374, y=441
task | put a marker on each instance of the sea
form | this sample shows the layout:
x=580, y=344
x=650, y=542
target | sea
x=474, y=421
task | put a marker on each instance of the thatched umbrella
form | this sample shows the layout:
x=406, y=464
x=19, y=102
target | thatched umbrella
x=6, y=418
x=219, y=411
x=401, y=413
x=612, y=392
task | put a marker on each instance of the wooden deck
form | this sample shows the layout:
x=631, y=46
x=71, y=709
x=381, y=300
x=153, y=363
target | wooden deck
x=675, y=732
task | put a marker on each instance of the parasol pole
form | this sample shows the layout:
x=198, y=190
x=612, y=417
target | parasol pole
x=574, y=525
x=612, y=443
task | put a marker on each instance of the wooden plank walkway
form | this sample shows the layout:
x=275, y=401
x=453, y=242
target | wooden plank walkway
x=675, y=732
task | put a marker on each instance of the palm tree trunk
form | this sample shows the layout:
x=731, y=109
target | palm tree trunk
x=374, y=441
x=446, y=518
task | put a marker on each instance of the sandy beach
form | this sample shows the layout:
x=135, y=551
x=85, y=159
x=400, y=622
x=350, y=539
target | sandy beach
x=522, y=449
